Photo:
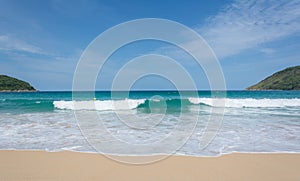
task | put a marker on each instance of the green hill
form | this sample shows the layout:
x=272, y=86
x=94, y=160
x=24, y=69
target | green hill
x=287, y=79
x=12, y=84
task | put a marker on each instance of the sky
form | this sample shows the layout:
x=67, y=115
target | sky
x=41, y=41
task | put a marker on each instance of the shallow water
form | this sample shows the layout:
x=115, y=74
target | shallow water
x=151, y=122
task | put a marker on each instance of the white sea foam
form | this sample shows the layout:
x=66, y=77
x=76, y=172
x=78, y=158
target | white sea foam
x=248, y=102
x=155, y=100
x=99, y=105
x=243, y=130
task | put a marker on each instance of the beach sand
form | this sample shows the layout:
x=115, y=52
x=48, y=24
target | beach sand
x=41, y=165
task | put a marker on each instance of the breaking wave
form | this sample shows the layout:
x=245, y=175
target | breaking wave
x=99, y=105
x=128, y=104
x=248, y=102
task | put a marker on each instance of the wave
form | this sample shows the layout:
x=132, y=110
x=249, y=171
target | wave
x=99, y=105
x=144, y=103
x=248, y=102
x=128, y=104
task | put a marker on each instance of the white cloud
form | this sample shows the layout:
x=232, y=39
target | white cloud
x=247, y=24
x=267, y=51
x=9, y=43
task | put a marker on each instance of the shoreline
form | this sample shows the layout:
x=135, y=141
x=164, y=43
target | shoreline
x=14, y=91
x=67, y=165
x=154, y=155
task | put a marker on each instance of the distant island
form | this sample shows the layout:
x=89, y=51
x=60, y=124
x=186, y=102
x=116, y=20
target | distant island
x=287, y=79
x=10, y=84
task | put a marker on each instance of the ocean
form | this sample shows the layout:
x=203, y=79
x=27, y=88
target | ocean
x=151, y=122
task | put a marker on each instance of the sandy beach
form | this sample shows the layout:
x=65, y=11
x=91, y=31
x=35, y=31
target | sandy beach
x=41, y=165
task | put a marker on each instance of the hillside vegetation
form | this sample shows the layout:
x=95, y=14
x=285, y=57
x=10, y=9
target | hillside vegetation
x=287, y=79
x=12, y=84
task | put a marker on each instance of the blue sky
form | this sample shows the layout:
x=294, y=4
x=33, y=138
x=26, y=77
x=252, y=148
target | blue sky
x=41, y=41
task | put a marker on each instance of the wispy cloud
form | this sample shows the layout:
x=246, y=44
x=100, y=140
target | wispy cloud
x=9, y=43
x=267, y=51
x=247, y=24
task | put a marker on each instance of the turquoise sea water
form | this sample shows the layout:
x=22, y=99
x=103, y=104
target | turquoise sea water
x=253, y=121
